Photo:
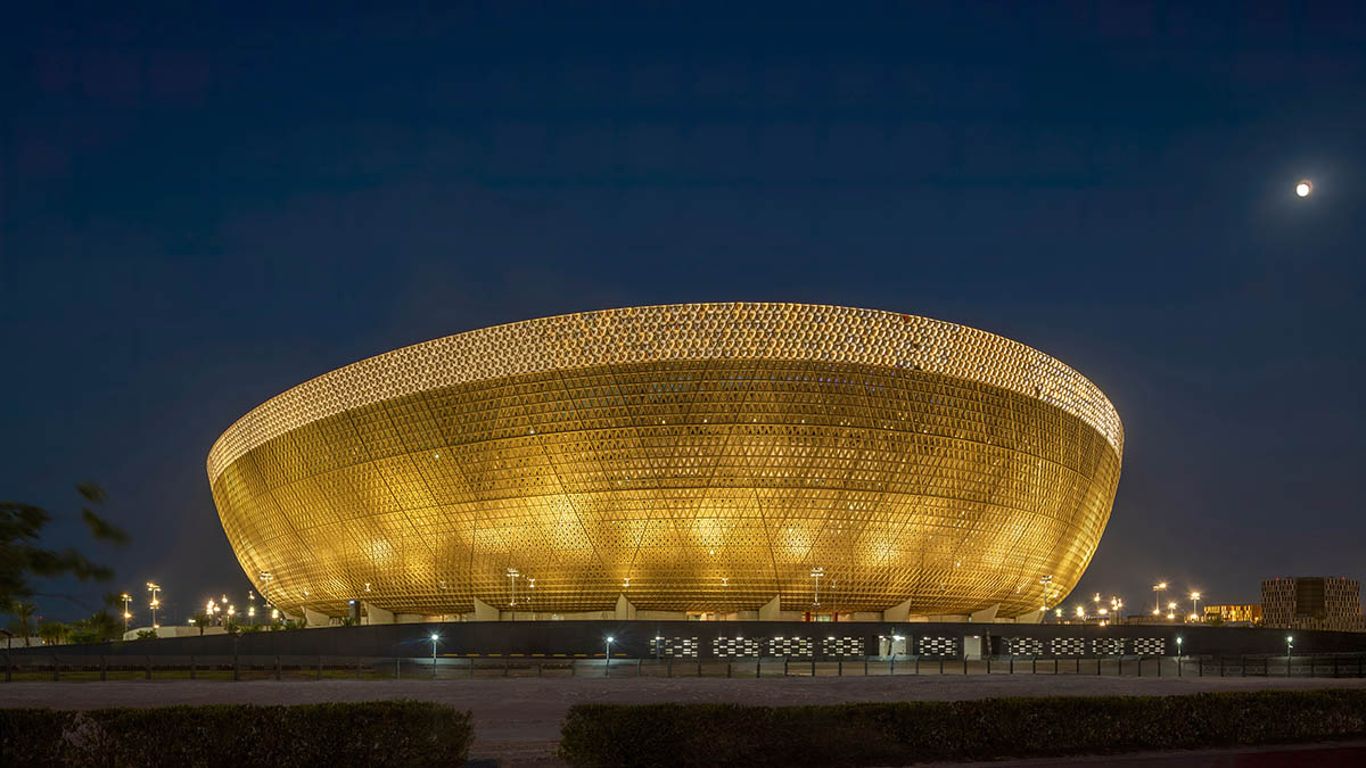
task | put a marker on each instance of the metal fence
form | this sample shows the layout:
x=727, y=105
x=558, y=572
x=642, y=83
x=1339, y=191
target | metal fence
x=88, y=667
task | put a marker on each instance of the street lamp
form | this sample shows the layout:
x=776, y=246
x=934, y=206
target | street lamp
x=155, y=590
x=1158, y=589
x=435, y=638
x=1195, y=603
x=607, y=671
x=1178, y=655
x=127, y=614
x=1289, y=646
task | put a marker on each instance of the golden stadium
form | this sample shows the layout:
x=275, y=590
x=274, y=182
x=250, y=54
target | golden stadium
x=741, y=460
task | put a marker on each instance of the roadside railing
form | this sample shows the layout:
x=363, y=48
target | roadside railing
x=88, y=667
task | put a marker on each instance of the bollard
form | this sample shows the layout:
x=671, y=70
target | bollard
x=917, y=664
x=56, y=669
x=104, y=667
x=1033, y=665
x=320, y=668
x=398, y=672
x=357, y=667
x=865, y=666
x=839, y=668
x=1012, y=664
x=671, y=667
x=941, y=665
x=469, y=668
x=1140, y=664
x=728, y=665
x=149, y=667
x=758, y=666
x=277, y=667
x=813, y=666
x=507, y=667
x=965, y=665
x=540, y=669
x=192, y=670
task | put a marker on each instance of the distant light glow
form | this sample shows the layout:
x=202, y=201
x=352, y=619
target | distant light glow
x=1305, y=188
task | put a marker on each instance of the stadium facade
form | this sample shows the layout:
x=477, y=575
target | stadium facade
x=728, y=460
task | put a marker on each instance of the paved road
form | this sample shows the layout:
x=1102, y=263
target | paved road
x=517, y=720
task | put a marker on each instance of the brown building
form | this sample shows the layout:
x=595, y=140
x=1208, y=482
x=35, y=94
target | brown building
x=1234, y=613
x=1312, y=602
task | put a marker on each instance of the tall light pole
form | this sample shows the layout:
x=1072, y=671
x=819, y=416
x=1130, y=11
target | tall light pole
x=1158, y=589
x=435, y=639
x=1289, y=646
x=1178, y=655
x=1195, y=606
x=127, y=614
x=155, y=590
x=512, y=574
x=607, y=671
x=1046, y=581
x=817, y=574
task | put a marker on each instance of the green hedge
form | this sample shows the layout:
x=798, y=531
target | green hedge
x=909, y=732
x=378, y=733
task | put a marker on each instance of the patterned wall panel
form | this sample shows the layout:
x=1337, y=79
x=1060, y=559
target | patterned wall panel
x=1149, y=646
x=842, y=647
x=734, y=647
x=790, y=646
x=674, y=647
x=1024, y=646
x=1067, y=646
x=938, y=646
x=1107, y=646
x=691, y=458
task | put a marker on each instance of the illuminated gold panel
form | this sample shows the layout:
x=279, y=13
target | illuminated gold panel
x=690, y=457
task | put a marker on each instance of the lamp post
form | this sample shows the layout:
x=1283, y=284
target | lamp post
x=607, y=671
x=1046, y=582
x=155, y=590
x=1289, y=646
x=1158, y=589
x=512, y=574
x=1178, y=655
x=1195, y=604
x=127, y=614
x=435, y=638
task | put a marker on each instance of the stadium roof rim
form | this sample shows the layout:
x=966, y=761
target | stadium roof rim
x=700, y=331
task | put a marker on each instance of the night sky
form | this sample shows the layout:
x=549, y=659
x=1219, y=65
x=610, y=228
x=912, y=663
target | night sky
x=199, y=212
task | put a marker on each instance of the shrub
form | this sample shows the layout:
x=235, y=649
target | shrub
x=380, y=733
x=910, y=732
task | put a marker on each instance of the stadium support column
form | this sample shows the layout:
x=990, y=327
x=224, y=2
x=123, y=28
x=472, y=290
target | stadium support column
x=772, y=610
x=484, y=612
x=315, y=619
x=625, y=611
x=1033, y=617
x=377, y=615
x=899, y=612
x=987, y=615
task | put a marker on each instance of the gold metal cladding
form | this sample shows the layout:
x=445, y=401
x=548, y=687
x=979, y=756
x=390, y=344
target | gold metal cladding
x=690, y=457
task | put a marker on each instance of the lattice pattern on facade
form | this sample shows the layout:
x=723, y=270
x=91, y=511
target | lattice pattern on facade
x=675, y=647
x=842, y=646
x=790, y=646
x=1067, y=646
x=1149, y=646
x=938, y=646
x=693, y=457
x=734, y=647
x=1024, y=646
x=1108, y=646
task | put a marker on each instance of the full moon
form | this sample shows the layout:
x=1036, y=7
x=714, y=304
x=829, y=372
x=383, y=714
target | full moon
x=1304, y=188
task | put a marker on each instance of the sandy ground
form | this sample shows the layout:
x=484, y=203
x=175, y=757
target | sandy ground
x=517, y=720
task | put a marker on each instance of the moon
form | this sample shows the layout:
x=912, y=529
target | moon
x=1304, y=188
